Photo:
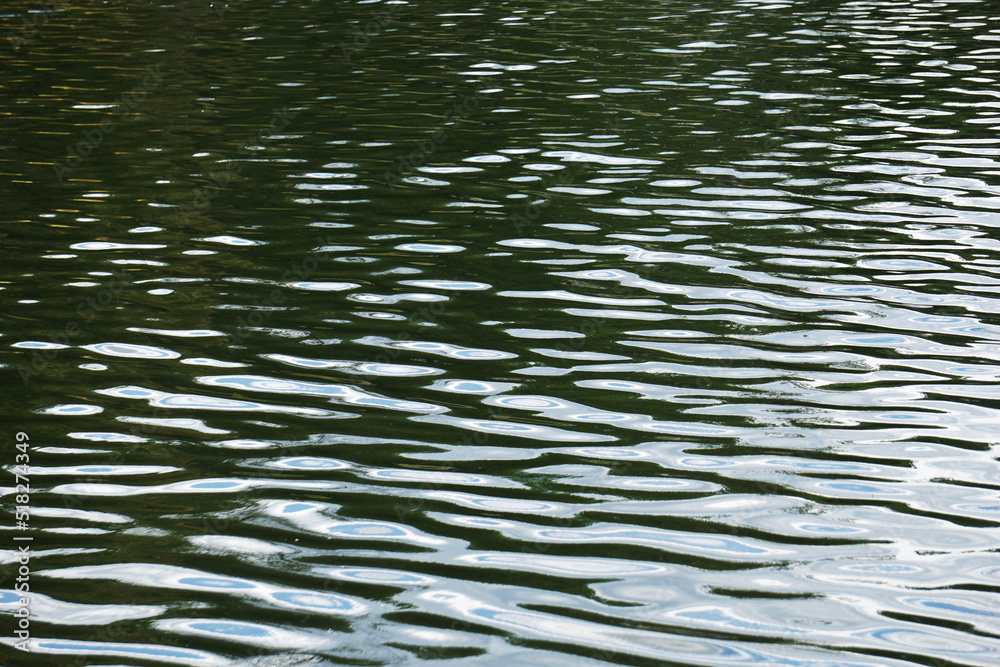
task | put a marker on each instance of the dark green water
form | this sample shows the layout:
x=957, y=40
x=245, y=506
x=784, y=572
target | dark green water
x=502, y=334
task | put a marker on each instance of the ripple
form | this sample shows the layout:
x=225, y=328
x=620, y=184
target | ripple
x=579, y=156
x=357, y=368
x=200, y=402
x=437, y=248
x=565, y=566
x=178, y=333
x=158, y=652
x=71, y=409
x=337, y=393
x=39, y=345
x=471, y=386
x=427, y=477
x=517, y=430
x=101, y=436
x=179, y=578
x=447, y=285
x=377, y=576
x=308, y=463
x=107, y=245
x=441, y=349
x=268, y=636
x=323, y=287
x=722, y=547
x=132, y=351
x=517, y=506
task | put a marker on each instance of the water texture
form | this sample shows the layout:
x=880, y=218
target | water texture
x=510, y=333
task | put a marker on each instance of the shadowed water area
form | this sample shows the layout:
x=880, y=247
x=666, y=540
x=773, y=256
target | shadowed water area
x=510, y=333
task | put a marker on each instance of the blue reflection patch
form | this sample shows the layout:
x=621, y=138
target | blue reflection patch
x=215, y=582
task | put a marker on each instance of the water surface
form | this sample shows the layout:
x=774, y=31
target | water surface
x=527, y=333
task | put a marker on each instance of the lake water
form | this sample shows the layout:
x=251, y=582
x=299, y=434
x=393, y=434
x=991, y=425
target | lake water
x=509, y=333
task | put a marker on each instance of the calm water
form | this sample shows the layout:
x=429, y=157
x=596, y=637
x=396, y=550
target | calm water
x=390, y=333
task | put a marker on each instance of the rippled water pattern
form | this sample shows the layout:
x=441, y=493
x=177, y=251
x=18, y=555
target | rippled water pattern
x=379, y=333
